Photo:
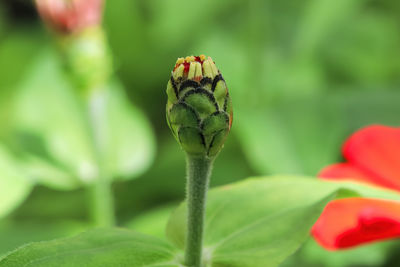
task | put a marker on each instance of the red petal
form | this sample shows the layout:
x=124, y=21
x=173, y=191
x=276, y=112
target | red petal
x=343, y=171
x=350, y=222
x=376, y=151
x=347, y=171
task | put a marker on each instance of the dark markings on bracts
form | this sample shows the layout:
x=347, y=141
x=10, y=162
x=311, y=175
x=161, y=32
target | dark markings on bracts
x=226, y=101
x=212, y=141
x=203, y=140
x=191, y=110
x=174, y=86
x=215, y=81
x=215, y=114
x=188, y=83
x=203, y=91
x=206, y=80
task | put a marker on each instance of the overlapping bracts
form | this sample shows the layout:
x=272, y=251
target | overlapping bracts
x=199, y=108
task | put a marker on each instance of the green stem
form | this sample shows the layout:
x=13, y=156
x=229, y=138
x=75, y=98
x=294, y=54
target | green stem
x=91, y=72
x=102, y=202
x=198, y=174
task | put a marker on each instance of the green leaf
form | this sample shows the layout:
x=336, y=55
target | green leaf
x=313, y=255
x=260, y=222
x=294, y=136
x=48, y=205
x=48, y=109
x=363, y=107
x=17, y=49
x=303, y=134
x=152, y=222
x=130, y=143
x=257, y=222
x=100, y=247
x=14, y=234
x=46, y=172
x=14, y=184
x=372, y=63
x=51, y=111
x=320, y=18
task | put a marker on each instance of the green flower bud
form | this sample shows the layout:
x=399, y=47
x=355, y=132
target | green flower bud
x=88, y=58
x=199, y=109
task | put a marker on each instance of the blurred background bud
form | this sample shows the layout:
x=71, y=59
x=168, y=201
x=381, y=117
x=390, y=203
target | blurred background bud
x=88, y=58
x=199, y=109
x=68, y=16
x=83, y=41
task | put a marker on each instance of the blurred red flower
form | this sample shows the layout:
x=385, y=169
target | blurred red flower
x=67, y=16
x=373, y=157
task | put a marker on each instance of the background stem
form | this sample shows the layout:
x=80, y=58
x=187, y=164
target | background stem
x=91, y=74
x=198, y=174
x=101, y=196
x=101, y=203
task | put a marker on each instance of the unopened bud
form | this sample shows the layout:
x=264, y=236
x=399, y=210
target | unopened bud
x=199, y=109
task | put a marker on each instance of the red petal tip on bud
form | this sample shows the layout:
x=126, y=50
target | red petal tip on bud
x=186, y=61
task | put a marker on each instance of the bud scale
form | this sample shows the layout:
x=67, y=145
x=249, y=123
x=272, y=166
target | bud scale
x=199, y=108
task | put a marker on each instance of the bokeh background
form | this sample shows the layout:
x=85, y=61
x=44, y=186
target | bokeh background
x=303, y=75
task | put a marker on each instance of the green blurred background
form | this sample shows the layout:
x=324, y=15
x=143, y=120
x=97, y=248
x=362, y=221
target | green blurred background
x=303, y=75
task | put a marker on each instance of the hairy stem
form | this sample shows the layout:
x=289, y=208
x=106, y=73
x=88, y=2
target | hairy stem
x=198, y=174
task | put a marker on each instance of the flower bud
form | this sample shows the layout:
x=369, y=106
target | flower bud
x=88, y=58
x=68, y=16
x=199, y=109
